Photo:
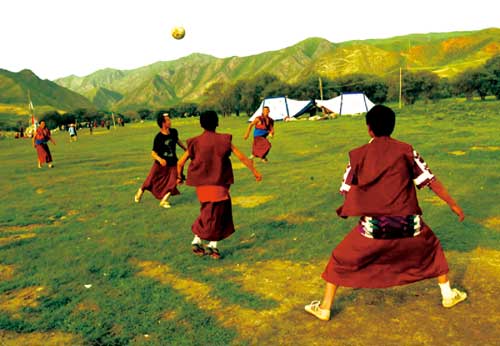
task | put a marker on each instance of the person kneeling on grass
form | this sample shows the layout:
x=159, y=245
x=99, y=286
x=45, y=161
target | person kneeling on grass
x=391, y=245
x=211, y=173
x=162, y=178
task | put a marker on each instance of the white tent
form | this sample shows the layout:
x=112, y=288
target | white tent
x=282, y=107
x=349, y=103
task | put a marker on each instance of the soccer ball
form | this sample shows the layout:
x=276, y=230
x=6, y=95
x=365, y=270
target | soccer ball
x=178, y=32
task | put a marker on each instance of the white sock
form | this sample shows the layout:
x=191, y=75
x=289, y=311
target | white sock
x=213, y=244
x=196, y=240
x=446, y=291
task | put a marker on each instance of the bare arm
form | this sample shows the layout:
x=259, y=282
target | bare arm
x=179, y=143
x=247, y=162
x=249, y=128
x=156, y=157
x=438, y=188
x=180, y=166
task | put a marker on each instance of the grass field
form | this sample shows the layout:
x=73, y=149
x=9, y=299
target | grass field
x=82, y=264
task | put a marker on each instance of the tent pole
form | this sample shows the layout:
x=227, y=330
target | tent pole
x=320, y=89
x=400, y=85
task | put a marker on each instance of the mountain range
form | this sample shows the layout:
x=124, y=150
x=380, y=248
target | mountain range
x=186, y=79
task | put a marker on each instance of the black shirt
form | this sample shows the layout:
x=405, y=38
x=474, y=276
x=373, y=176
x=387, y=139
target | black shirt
x=164, y=146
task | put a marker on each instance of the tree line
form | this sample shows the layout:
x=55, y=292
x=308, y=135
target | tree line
x=244, y=96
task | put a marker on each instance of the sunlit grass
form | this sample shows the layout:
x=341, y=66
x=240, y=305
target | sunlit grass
x=76, y=225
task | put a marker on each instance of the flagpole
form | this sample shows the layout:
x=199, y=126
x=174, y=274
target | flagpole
x=31, y=110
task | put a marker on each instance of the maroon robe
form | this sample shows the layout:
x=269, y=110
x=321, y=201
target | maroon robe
x=210, y=165
x=42, y=136
x=380, y=181
x=261, y=145
x=161, y=180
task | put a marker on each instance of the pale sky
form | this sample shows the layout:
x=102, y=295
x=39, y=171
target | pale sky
x=56, y=38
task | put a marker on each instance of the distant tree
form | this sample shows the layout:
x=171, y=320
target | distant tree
x=463, y=84
x=418, y=84
x=52, y=119
x=145, y=113
x=443, y=90
x=308, y=89
x=374, y=87
x=493, y=67
x=483, y=81
x=478, y=80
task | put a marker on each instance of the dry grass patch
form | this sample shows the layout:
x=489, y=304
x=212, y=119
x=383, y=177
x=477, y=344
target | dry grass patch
x=199, y=294
x=251, y=201
x=457, y=153
x=13, y=301
x=6, y=272
x=492, y=223
x=87, y=305
x=294, y=218
x=486, y=148
x=16, y=237
x=39, y=339
x=277, y=280
x=25, y=228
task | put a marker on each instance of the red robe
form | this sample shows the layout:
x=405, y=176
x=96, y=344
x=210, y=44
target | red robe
x=42, y=136
x=261, y=145
x=380, y=181
x=210, y=166
x=161, y=180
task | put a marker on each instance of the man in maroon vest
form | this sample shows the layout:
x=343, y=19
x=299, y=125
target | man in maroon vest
x=391, y=245
x=264, y=127
x=210, y=171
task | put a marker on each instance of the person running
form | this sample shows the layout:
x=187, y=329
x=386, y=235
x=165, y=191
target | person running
x=162, y=178
x=211, y=173
x=73, y=136
x=40, y=139
x=391, y=245
x=264, y=126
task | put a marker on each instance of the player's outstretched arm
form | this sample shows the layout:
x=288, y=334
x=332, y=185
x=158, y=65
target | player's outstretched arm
x=247, y=162
x=179, y=143
x=180, y=166
x=438, y=188
x=249, y=128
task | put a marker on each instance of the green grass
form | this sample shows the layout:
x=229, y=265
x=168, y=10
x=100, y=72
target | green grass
x=89, y=230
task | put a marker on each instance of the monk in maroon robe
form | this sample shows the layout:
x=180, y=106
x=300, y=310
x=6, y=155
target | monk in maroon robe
x=264, y=127
x=162, y=178
x=211, y=173
x=391, y=245
x=40, y=139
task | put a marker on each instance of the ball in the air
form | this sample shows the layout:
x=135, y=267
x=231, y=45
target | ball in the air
x=178, y=32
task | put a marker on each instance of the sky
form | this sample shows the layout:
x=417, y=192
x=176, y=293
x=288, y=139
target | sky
x=58, y=38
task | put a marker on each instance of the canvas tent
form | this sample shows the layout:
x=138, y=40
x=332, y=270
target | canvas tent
x=282, y=107
x=348, y=103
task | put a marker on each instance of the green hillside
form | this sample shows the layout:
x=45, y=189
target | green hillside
x=186, y=79
x=44, y=93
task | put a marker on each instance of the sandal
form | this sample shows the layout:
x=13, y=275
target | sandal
x=197, y=249
x=213, y=252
